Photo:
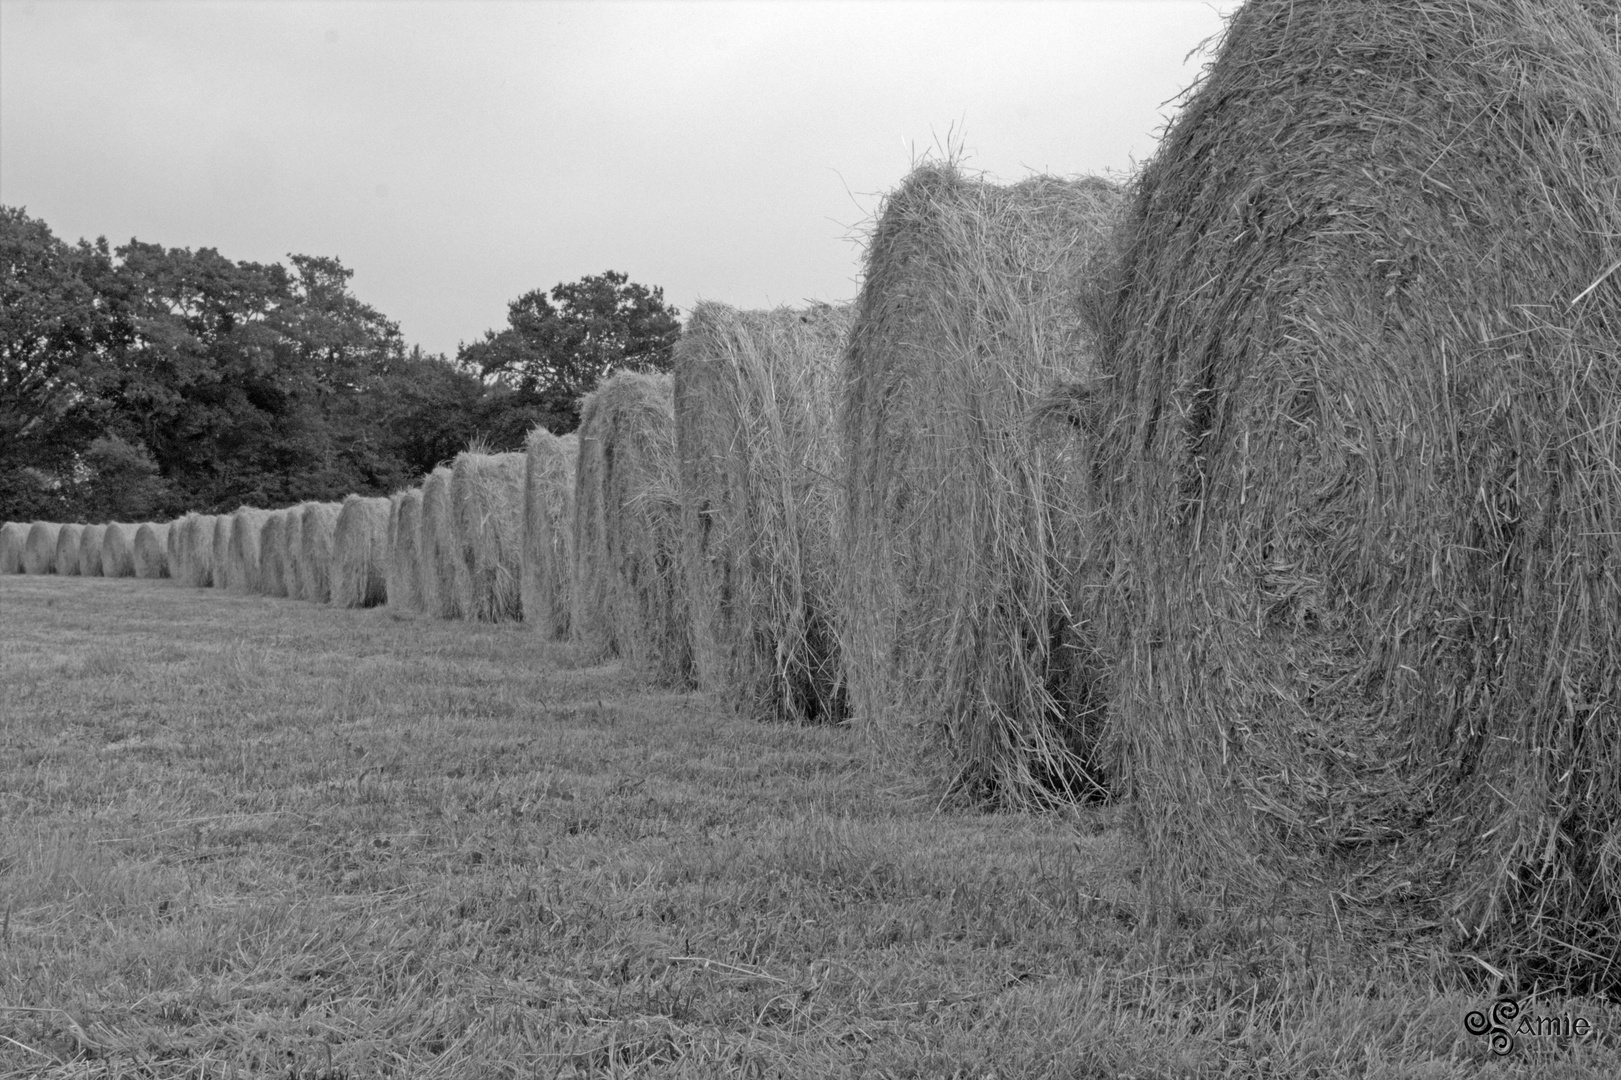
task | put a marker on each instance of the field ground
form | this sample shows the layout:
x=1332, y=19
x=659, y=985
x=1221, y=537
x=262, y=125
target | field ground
x=253, y=837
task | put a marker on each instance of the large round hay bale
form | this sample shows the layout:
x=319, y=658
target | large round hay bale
x=360, y=553
x=292, y=565
x=67, y=549
x=755, y=396
x=629, y=598
x=1365, y=473
x=13, y=538
x=90, y=538
x=152, y=550
x=437, y=550
x=171, y=546
x=404, y=560
x=220, y=551
x=966, y=640
x=548, y=531
x=195, y=564
x=243, y=554
x=317, y=520
x=273, y=554
x=118, y=550
x=39, y=548
x=486, y=500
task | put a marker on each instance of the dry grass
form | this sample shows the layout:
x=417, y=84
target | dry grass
x=151, y=550
x=404, y=552
x=629, y=597
x=443, y=571
x=360, y=553
x=261, y=839
x=317, y=522
x=90, y=538
x=67, y=550
x=1366, y=465
x=486, y=501
x=39, y=548
x=13, y=538
x=118, y=550
x=966, y=613
x=548, y=532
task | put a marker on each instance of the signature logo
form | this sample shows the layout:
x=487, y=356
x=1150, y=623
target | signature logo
x=1503, y=1025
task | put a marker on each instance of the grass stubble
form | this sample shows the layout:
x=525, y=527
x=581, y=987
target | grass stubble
x=247, y=836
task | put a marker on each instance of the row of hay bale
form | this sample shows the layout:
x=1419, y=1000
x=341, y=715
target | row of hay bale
x=68, y=549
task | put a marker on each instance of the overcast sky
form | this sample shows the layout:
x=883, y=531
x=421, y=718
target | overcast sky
x=456, y=155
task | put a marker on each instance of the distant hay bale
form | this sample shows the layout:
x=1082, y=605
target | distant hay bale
x=273, y=554
x=39, y=548
x=1365, y=461
x=67, y=550
x=548, y=531
x=90, y=538
x=629, y=598
x=437, y=551
x=172, y=547
x=486, y=499
x=404, y=559
x=118, y=550
x=243, y=553
x=966, y=638
x=220, y=551
x=360, y=553
x=13, y=538
x=151, y=550
x=755, y=394
x=292, y=553
x=195, y=551
x=316, y=524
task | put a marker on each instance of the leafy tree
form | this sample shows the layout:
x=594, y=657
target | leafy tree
x=557, y=347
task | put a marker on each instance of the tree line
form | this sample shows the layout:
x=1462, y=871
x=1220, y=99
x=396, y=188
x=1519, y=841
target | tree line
x=140, y=382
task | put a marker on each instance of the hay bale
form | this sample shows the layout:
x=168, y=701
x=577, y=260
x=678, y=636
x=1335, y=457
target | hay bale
x=437, y=550
x=317, y=520
x=965, y=638
x=755, y=394
x=13, y=538
x=1364, y=462
x=486, y=500
x=39, y=548
x=292, y=548
x=118, y=550
x=220, y=551
x=194, y=564
x=273, y=554
x=243, y=554
x=360, y=553
x=67, y=549
x=629, y=598
x=151, y=550
x=548, y=531
x=172, y=547
x=90, y=538
x=404, y=584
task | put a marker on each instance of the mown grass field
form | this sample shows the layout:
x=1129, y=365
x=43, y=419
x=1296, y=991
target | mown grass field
x=253, y=837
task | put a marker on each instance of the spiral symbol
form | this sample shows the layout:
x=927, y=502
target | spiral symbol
x=1501, y=1043
x=1504, y=1010
x=1475, y=1022
x=1495, y=1025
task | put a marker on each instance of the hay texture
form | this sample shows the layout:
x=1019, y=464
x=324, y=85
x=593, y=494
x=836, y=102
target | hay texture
x=195, y=551
x=151, y=550
x=67, y=550
x=548, y=531
x=39, y=548
x=118, y=550
x=438, y=551
x=360, y=553
x=755, y=395
x=273, y=555
x=966, y=637
x=243, y=553
x=13, y=538
x=486, y=499
x=291, y=550
x=90, y=538
x=404, y=583
x=629, y=597
x=220, y=550
x=317, y=522
x=1366, y=466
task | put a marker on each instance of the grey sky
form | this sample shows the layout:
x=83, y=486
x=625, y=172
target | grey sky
x=456, y=155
